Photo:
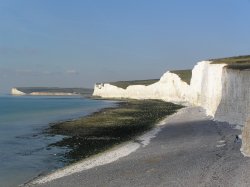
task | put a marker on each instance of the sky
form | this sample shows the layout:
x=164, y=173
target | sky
x=76, y=43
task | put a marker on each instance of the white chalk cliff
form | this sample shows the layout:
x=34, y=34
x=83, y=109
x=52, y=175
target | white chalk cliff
x=224, y=93
x=15, y=91
x=168, y=88
x=52, y=94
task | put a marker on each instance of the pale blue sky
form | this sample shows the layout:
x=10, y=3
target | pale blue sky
x=75, y=43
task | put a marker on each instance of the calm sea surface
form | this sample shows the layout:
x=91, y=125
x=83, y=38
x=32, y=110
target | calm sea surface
x=24, y=150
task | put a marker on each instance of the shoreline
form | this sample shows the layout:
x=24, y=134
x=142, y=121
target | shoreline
x=132, y=142
x=189, y=150
x=24, y=146
x=109, y=126
x=106, y=157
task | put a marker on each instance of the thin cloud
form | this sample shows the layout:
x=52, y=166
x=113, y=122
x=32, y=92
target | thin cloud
x=72, y=72
x=31, y=73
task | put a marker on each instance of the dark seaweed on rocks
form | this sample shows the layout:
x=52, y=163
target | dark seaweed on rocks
x=102, y=130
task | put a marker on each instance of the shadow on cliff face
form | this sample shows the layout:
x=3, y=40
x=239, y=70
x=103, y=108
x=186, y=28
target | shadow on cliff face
x=234, y=106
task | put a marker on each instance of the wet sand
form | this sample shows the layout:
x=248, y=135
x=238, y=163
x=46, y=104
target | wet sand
x=189, y=150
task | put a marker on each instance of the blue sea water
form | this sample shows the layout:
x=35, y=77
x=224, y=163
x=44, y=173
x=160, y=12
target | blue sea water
x=24, y=150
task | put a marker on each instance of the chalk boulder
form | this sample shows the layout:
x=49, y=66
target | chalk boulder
x=245, y=148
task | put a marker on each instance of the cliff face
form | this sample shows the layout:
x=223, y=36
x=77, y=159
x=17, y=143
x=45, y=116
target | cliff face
x=168, y=88
x=15, y=91
x=224, y=93
x=206, y=88
x=51, y=94
x=234, y=106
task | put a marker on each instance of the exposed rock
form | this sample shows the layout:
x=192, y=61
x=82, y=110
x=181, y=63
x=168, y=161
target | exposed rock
x=245, y=148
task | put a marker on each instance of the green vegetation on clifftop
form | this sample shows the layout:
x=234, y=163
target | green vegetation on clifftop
x=125, y=84
x=185, y=76
x=237, y=62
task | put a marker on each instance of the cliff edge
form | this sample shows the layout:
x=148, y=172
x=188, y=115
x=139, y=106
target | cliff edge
x=221, y=87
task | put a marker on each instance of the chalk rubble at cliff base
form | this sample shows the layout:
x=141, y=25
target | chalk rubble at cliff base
x=224, y=93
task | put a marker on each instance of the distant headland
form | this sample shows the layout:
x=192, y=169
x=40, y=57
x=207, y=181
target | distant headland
x=51, y=91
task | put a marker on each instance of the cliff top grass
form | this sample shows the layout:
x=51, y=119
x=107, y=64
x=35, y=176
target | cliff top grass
x=237, y=62
x=185, y=76
x=125, y=84
x=101, y=130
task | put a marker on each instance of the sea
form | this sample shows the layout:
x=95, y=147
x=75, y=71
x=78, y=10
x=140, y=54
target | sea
x=24, y=148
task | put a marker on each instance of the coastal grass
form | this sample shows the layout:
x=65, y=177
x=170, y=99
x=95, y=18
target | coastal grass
x=103, y=129
x=125, y=84
x=237, y=62
x=185, y=76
